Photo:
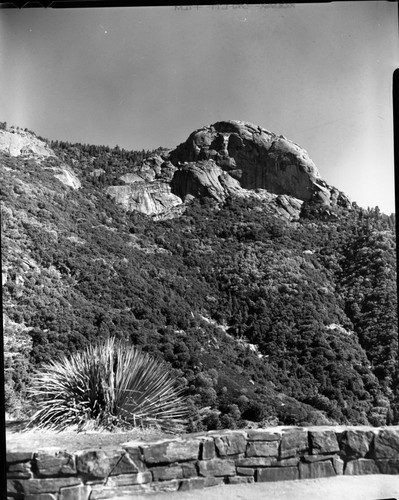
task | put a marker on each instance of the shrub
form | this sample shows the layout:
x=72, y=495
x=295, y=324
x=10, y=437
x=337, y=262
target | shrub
x=107, y=385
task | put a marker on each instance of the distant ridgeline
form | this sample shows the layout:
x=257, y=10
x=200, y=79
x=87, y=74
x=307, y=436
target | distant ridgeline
x=269, y=293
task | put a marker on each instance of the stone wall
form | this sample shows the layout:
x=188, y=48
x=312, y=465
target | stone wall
x=201, y=460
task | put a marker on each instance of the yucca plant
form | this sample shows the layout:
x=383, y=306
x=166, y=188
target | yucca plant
x=107, y=385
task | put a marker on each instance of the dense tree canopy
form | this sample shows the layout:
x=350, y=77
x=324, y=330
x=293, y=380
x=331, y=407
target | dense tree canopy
x=260, y=318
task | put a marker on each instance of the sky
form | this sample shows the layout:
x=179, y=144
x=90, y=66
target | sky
x=144, y=77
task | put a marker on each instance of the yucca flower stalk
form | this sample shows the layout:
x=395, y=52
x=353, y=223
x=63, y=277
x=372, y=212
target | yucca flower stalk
x=107, y=385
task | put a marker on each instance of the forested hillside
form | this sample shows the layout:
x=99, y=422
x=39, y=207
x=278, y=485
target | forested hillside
x=262, y=319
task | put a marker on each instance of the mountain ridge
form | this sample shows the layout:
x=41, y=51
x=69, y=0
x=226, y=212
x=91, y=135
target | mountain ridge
x=268, y=308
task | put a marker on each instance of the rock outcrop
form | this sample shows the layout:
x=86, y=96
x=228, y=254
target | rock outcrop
x=233, y=157
x=220, y=161
x=23, y=143
x=67, y=177
x=27, y=145
x=150, y=198
x=147, y=189
x=253, y=156
x=228, y=159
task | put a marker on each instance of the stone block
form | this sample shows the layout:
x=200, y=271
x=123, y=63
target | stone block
x=255, y=462
x=41, y=496
x=262, y=449
x=220, y=446
x=93, y=463
x=171, y=451
x=57, y=464
x=323, y=442
x=287, y=462
x=356, y=443
x=80, y=492
x=129, y=479
x=317, y=458
x=245, y=471
x=240, y=480
x=167, y=473
x=361, y=466
x=124, y=464
x=199, y=482
x=97, y=463
x=46, y=485
x=386, y=444
x=316, y=469
x=208, y=449
x=133, y=453
x=101, y=492
x=13, y=487
x=189, y=470
x=293, y=442
x=263, y=435
x=18, y=456
x=216, y=467
x=19, y=470
x=388, y=466
x=166, y=486
x=277, y=474
x=231, y=444
x=338, y=465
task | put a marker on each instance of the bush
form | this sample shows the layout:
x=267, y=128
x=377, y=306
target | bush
x=106, y=386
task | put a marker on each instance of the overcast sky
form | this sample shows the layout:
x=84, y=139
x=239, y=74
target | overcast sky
x=320, y=74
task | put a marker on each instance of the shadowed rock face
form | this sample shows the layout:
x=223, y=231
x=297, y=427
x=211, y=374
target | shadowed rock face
x=251, y=155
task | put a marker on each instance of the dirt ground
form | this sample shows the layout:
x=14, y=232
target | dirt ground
x=18, y=438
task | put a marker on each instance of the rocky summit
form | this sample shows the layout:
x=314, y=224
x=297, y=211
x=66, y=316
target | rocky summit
x=240, y=154
x=228, y=158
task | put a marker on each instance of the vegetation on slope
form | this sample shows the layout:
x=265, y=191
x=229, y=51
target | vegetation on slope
x=260, y=319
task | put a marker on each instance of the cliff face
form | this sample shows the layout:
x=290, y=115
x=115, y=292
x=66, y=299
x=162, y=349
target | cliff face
x=253, y=156
x=227, y=159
